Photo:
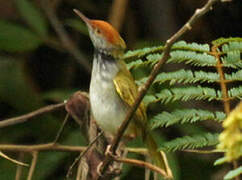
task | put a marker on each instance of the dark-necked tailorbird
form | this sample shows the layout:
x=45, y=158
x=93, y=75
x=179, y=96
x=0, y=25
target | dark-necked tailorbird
x=113, y=89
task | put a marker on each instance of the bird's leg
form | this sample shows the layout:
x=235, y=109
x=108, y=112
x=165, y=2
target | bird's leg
x=99, y=169
x=119, y=152
x=108, y=151
x=112, y=170
x=115, y=168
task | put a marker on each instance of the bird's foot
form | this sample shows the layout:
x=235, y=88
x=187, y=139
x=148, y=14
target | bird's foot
x=112, y=171
x=99, y=169
x=108, y=151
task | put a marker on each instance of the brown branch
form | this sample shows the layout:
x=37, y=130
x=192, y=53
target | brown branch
x=117, y=13
x=41, y=147
x=222, y=83
x=79, y=171
x=33, y=165
x=19, y=169
x=59, y=147
x=83, y=154
x=12, y=160
x=67, y=43
x=166, y=54
x=140, y=163
x=61, y=128
x=23, y=118
x=147, y=171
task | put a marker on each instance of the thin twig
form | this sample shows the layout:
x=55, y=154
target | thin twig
x=12, y=160
x=67, y=43
x=68, y=148
x=83, y=154
x=19, y=168
x=79, y=171
x=140, y=163
x=203, y=151
x=117, y=13
x=147, y=171
x=222, y=83
x=25, y=117
x=41, y=147
x=166, y=54
x=33, y=165
x=61, y=128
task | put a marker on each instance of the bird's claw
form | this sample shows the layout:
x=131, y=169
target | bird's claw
x=99, y=169
x=108, y=151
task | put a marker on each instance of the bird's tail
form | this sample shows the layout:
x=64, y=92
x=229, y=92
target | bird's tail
x=158, y=157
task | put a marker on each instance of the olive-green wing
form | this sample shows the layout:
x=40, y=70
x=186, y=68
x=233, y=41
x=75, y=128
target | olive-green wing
x=128, y=91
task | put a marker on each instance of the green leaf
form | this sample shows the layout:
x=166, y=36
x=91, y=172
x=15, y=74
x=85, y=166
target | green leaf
x=187, y=76
x=236, y=76
x=191, y=46
x=235, y=92
x=193, y=58
x=142, y=52
x=190, y=142
x=16, y=38
x=33, y=16
x=232, y=59
x=166, y=119
x=185, y=94
x=220, y=161
x=232, y=46
x=221, y=41
x=181, y=45
x=135, y=64
x=233, y=173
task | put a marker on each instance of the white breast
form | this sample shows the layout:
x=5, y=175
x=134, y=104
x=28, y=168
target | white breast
x=108, y=109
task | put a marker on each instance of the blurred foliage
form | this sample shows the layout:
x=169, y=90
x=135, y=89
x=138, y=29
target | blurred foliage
x=231, y=138
x=36, y=69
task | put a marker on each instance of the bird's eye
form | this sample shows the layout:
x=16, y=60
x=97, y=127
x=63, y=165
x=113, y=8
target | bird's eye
x=98, y=31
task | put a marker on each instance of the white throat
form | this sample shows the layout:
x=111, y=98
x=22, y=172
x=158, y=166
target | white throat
x=107, y=107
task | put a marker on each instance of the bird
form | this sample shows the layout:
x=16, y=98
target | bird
x=113, y=90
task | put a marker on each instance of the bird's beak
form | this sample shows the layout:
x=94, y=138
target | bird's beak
x=83, y=17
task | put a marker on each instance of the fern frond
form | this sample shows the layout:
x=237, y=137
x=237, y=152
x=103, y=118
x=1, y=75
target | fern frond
x=184, y=94
x=232, y=46
x=221, y=41
x=187, y=76
x=142, y=52
x=182, y=45
x=193, y=58
x=235, y=92
x=182, y=116
x=134, y=64
x=152, y=59
x=236, y=76
x=232, y=59
x=190, y=142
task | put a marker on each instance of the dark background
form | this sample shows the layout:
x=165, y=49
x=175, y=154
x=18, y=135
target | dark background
x=46, y=71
